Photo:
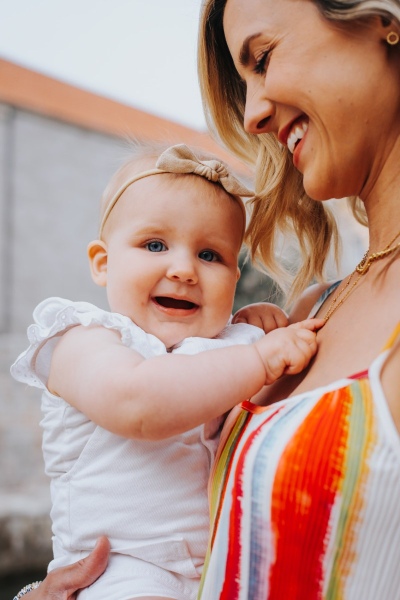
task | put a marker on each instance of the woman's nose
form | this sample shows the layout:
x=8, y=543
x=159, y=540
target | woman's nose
x=183, y=269
x=258, y=111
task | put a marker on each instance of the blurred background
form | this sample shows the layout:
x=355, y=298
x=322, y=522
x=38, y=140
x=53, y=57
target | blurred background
x=77, y=78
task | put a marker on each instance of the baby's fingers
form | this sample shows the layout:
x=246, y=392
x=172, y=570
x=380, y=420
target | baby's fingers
x=307, y=336
x=250, y=317
x=308, y=324
x=262, y=314
x=305, y=348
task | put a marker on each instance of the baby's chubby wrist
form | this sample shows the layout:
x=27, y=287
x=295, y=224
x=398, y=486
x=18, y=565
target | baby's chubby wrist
x=267, y=351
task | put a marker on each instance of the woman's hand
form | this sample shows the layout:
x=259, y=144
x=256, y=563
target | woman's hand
x=63, y=583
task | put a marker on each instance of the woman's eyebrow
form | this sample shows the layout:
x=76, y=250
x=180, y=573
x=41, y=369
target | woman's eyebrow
x=244, y=54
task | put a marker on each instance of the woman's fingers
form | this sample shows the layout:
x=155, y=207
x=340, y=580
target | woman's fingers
x=63, y=583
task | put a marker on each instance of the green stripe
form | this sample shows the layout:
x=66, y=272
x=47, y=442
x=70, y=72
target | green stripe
x=354, y=460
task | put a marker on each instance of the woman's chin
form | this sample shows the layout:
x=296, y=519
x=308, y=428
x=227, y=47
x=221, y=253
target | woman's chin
x=317, y=188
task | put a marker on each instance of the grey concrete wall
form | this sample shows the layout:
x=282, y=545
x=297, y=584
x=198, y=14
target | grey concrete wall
x=51, y=178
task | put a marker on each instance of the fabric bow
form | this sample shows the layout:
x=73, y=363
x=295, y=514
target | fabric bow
x=181, y=159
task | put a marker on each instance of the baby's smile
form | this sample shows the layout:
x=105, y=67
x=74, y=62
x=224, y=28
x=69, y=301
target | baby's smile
x=174, y=303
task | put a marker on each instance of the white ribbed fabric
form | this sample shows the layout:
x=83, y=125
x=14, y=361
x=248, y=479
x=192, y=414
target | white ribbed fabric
x=149, y=498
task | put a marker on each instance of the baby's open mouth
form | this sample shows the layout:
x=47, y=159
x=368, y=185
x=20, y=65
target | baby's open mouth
x=174, y=303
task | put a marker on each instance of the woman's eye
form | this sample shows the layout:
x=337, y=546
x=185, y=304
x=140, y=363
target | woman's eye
x=261, y=64
x=156, y=246
x=208, y=256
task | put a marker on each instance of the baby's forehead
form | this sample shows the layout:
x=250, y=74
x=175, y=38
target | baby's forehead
x=198, y=191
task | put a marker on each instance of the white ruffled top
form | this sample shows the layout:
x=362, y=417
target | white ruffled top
x=148, y=497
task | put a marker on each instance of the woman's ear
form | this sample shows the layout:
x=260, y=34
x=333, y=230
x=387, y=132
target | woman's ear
x=238, y=274
x=388, y=31
x=97, y=253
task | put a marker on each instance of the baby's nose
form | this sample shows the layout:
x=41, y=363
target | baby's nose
x=183, y=269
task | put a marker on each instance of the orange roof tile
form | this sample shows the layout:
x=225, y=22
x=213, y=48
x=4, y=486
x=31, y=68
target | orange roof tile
x=33, y=91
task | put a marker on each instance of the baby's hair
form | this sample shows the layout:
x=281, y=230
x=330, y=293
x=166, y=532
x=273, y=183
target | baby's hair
x=151, y=158
x=140, y=152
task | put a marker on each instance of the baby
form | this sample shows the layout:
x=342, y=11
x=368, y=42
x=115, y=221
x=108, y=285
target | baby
x=133, y=398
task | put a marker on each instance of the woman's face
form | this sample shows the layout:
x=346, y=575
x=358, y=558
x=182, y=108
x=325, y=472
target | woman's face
x=330, y=94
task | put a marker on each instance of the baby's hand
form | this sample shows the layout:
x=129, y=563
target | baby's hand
x=288, y=350
x=265, y=315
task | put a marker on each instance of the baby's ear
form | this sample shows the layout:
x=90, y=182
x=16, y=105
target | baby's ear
x=97, y=253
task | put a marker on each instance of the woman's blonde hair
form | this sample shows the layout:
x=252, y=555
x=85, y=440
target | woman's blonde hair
x=281, y=205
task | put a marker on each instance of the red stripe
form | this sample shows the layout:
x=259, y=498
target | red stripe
x=359, y=375
x=231, y=587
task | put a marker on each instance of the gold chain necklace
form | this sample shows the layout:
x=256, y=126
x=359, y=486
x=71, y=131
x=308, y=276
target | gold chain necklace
x=361, y=269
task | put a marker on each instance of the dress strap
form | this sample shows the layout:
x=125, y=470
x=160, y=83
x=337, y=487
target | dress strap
x=393, y=338
x=323, y=297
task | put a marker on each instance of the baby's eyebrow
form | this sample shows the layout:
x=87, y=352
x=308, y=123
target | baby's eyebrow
x=151, y=229
x=244, y=54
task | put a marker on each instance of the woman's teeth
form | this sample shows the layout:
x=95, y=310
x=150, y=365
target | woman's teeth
x=296, y=135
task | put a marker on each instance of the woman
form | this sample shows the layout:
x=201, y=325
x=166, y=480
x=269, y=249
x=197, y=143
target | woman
x=305, y=496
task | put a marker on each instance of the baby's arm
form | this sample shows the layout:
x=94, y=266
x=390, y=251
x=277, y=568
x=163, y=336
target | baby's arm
x=163, y=396
x=265, y=315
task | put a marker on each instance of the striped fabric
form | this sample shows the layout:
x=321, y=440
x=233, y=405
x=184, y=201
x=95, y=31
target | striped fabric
x=305, y=498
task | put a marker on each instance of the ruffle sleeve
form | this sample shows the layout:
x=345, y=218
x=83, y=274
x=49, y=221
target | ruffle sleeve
x=231, y=335
x=55, y=316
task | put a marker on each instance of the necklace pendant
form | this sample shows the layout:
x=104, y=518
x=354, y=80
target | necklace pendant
x=363, y=267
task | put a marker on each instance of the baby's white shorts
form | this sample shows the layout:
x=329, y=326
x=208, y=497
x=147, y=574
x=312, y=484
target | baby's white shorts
x=127, y=577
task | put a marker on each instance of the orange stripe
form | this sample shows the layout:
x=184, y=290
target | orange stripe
x=309, y=475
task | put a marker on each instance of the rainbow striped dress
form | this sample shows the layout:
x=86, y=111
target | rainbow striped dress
x=305, y=498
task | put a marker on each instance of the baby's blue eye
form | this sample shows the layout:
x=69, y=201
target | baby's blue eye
x=156, y=246
x=208, y=256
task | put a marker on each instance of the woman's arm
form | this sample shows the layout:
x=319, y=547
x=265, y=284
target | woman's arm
x=63, y=583
x=166, y=395
x=303, y=306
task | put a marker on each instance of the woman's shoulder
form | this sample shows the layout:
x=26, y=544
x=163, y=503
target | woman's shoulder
x=311, y=299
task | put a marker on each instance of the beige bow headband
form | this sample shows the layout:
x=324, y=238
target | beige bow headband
x=181, y=159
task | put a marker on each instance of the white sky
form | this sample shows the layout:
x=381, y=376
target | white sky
x=139, y=52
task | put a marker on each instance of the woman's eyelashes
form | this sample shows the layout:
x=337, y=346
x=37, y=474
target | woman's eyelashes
x=261, y=63
x=156, y=246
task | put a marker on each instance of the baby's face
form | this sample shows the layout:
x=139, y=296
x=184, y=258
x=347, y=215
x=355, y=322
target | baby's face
x=172, y=256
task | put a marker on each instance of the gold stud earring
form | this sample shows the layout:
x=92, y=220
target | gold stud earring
x=392, y=38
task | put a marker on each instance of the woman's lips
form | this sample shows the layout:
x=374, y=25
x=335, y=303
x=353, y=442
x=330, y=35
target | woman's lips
x=296, y=153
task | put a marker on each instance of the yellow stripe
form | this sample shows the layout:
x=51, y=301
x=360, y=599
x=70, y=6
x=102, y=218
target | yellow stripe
x=393, y=337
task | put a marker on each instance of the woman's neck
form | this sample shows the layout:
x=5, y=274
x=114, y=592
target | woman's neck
x=382, y=204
